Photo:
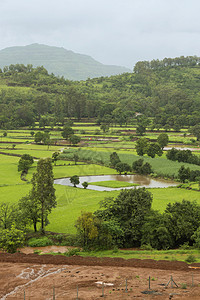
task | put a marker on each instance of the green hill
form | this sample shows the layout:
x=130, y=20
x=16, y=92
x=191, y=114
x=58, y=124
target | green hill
x=167, y=93
x=59, y=61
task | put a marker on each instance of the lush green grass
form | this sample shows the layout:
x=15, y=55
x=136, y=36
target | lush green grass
x=161, y=197
x=11, y=194
x=81, y=170
x=29, y=147
x=171, y=255
x=9, y=172
x=113, y=183
x=34, y=153
x=161, y=166
x=71, y=201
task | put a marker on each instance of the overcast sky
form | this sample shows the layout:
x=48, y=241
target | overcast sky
x=119, y=32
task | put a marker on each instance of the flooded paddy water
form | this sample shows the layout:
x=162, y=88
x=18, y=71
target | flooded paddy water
x=141, y=180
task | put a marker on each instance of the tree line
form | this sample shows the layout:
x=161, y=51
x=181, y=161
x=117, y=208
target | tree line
x=155, y=64
x=129, y=221
x=169, y=98
x=183, y=156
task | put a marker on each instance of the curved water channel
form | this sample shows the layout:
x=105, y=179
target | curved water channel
x=143, y=181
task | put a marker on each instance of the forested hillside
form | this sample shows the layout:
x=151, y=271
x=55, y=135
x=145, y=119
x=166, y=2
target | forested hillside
x=166, y=91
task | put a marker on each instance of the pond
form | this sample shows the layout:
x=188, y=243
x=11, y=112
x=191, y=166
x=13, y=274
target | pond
x=143, y=181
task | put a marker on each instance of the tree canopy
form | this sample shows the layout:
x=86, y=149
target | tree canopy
x=42, y=194
x=128, y=210
x=166, y=91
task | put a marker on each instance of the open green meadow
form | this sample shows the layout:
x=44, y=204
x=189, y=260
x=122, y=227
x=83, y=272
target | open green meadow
x=113, y=184
x=188, y=256
x=160, y=165
x=71, y=201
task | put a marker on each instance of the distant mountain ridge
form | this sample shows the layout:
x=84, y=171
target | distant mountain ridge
x=57, y=60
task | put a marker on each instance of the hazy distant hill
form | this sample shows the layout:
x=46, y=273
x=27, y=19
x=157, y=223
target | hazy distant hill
x=59, y=61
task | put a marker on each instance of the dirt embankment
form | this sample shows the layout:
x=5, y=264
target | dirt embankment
x=30, y=276
x=95, y=261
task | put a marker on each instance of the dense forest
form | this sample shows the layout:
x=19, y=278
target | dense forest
x=167, y=91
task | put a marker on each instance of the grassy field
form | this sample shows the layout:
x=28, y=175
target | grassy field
x=71, y=201
x=8, y=171
x=161, y=197
x=161, y=166
x=113, y=183
x=171, y=255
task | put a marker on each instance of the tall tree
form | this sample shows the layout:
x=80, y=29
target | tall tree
x=183, y=174
x=142, y=123
x=55, y=157
x=163, y=140
x=86, y=228
x=43, y=192
x=141, y=145
x=153, y=149
x=24, y=164
x=114, y=159
x=196, y=131
x=30, y=209
x=74, y=139
x=67, y=132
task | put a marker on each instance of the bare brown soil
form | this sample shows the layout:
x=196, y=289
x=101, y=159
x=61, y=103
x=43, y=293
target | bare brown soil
x=39, y=277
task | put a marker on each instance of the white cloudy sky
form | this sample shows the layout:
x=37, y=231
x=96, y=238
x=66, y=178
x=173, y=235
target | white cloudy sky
x=117, y=32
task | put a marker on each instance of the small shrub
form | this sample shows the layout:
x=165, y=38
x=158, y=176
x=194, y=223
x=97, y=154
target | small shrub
x=37, y=251
x=59, y=238
x=85, y=184
x=183, y=286
x=41, y=242
x=70, y=240
x=72, y=252
x=82, y=131
x=173, y=259
x=97, y=132
x=190, y=259
x=185, y=246
x=146, y=247
x=11, y=239
x=115, y=250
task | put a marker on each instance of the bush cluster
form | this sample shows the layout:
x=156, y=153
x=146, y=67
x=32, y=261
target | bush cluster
x=141, y=168
x=183, y=156
x=187, y=174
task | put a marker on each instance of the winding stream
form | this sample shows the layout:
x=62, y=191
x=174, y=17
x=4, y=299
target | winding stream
x=143, y=181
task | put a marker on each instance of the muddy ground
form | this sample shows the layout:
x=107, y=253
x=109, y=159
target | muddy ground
x=31, y=276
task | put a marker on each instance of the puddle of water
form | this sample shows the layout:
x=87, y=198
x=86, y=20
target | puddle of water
x=143, y=181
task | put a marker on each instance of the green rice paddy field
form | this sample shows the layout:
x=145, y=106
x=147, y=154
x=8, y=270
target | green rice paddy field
x=71, y=201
